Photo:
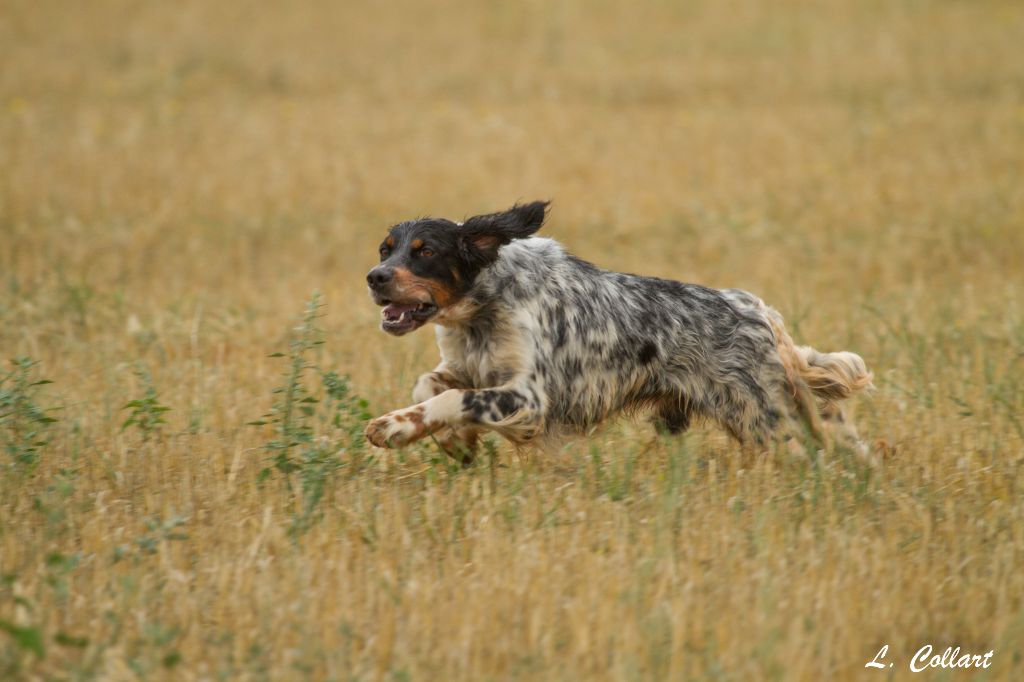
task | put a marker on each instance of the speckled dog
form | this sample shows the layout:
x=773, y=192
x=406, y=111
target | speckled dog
x=538, y=343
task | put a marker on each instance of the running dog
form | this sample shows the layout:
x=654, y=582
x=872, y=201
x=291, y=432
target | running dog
x=536, y=343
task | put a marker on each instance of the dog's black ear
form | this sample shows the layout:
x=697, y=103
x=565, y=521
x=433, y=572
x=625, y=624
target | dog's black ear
x=485, y=234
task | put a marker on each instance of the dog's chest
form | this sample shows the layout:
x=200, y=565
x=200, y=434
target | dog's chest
x=485, y=359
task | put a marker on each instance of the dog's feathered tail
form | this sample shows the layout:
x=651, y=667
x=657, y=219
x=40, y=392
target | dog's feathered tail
x=815, y=376
x=832, y=376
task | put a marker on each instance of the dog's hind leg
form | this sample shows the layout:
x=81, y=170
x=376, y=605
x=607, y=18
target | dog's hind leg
x=761, y=415
x=841, y=429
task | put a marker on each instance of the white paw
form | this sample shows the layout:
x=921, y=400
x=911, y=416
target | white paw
x=396, y=429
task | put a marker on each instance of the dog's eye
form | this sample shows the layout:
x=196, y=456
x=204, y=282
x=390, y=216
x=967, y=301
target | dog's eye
x=426, y=252
x=384, y=252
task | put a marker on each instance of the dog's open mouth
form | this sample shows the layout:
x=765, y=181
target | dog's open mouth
x=401, y=318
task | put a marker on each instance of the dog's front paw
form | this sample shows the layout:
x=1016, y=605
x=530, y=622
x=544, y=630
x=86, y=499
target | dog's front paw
x=395, y=429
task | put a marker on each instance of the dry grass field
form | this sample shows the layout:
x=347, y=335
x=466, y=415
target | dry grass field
x=176, y=179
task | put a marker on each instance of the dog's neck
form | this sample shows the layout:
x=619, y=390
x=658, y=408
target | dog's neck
x=472, y=308
x=458, y=314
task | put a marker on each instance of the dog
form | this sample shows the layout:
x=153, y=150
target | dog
x=537, y=344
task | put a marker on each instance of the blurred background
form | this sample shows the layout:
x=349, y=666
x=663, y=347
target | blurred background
x=176, y=178
x=856, y=149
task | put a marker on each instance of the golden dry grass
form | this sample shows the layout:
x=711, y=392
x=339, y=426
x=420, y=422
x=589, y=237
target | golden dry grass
x=178, y=177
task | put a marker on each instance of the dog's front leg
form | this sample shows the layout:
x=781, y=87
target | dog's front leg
x=435, y=383
x=513, y=412
x=460, y=444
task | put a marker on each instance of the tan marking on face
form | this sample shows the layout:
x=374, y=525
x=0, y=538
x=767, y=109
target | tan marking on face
x=443, y=296
x=390, y=242
x=416, y=243
x=409, y=286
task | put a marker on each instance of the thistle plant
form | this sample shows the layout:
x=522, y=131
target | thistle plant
x=317, y=419
x=24, y=424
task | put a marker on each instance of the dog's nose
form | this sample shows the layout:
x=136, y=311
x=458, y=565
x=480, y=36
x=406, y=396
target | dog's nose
x=380, y=276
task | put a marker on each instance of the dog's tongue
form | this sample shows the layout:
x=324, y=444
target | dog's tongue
x=394, y=311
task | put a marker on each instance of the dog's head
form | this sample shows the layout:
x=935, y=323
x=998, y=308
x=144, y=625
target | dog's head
x=429, y=264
